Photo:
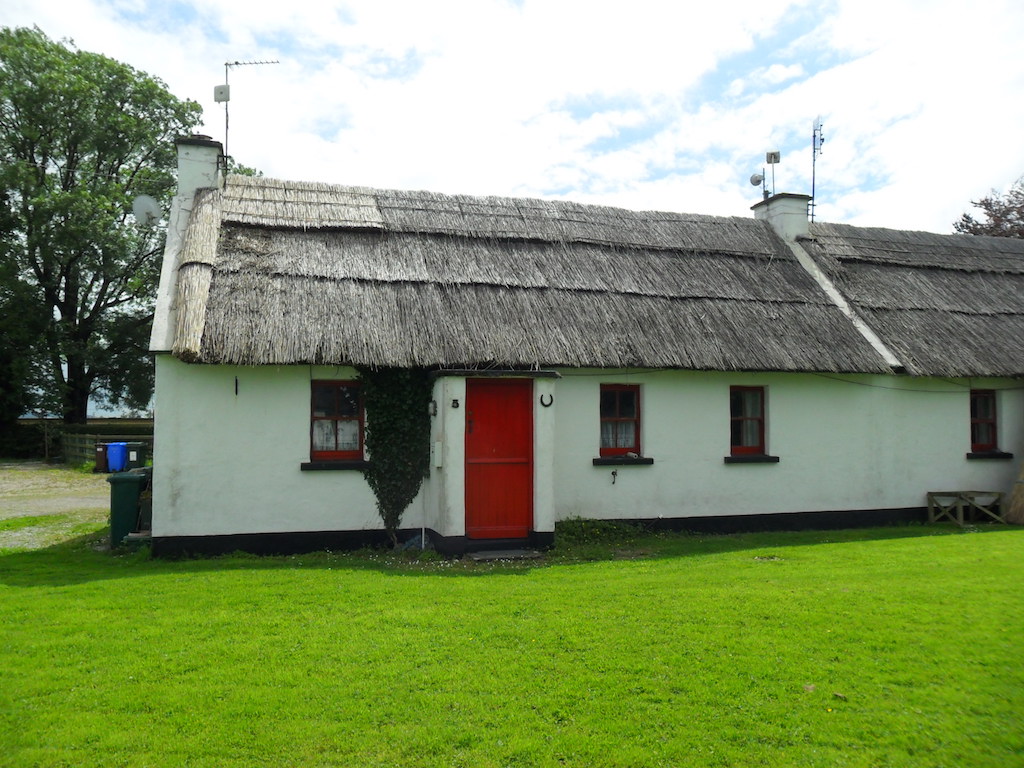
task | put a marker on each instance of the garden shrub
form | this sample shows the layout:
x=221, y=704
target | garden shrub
x=581, y=530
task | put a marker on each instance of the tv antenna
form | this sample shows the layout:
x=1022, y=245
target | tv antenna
x=758, y=178
x=146, y=210
x=223, y=93
x=817, y=139
x=773, y=158
x=770, y=158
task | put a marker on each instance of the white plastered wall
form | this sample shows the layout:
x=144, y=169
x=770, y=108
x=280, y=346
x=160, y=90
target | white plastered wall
x=444, y=495
x=544, y=449
x=869, y=442
x=229, y=463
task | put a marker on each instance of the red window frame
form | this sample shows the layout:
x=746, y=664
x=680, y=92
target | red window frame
x=615, y=417
x=742, y=416
x=337, y=413
x=983, y=414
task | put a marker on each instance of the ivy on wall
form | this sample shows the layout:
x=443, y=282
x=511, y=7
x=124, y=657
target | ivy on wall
x=396, y=401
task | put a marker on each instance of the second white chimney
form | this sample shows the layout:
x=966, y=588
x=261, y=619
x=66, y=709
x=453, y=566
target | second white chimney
x=786, y=212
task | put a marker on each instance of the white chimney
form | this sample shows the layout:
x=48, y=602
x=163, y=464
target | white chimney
x=786, y=212
x=198, y=164
x=199, y=159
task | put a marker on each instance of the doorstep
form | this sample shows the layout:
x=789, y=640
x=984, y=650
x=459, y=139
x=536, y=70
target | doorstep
x=138, y=536
x=504, y=554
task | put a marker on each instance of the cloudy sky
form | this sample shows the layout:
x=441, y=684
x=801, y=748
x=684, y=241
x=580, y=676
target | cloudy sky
x=642, y=104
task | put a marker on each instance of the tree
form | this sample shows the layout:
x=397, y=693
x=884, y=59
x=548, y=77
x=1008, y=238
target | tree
x=80, y=136
x=396, y=401
x=20, y=330
x=1003, y=215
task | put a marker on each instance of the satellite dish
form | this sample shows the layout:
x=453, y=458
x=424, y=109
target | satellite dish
x=756, y=179
x=146, y=210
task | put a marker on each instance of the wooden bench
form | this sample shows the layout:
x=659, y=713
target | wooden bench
x=956, y=505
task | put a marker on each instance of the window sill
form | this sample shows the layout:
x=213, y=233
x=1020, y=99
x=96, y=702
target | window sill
x=316, y=466
x=623, y=461
x=752, y=459
x=989, y=455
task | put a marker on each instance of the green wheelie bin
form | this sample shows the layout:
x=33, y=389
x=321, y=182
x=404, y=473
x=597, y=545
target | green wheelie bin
x=125, y=490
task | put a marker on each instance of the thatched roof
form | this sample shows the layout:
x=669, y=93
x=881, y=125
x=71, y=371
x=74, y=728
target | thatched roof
x=276, y=272
x=946, y=305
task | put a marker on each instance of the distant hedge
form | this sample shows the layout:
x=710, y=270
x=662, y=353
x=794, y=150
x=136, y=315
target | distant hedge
x=28, y=441
x=110, y=428
x=41, y=438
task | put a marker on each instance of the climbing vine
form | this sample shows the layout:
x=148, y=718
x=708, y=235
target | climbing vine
x=396, y=401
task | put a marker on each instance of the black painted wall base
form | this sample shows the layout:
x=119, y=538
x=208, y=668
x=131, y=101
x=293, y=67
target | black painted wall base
x=270, y=543
x=318, y=541
x=790, y=521
x=300, y=542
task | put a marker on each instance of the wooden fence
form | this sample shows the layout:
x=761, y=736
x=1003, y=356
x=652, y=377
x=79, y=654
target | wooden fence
x=80, y=448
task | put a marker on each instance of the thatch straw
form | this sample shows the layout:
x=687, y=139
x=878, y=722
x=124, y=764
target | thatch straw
x=315, y=273
x=193, y=297
x=268, y=202
x=301, y=205
x=256, y=319
x=198, y=255
x=968, y=253
x=946, y=305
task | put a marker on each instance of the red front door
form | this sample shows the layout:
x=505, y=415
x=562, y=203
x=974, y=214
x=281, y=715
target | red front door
x=499, y=458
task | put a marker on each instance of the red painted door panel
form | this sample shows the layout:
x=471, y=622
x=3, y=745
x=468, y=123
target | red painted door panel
x=499, y=458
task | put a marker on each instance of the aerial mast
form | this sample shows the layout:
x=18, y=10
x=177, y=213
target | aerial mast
x=817, y=139
x=223, y=93
x=773, y=158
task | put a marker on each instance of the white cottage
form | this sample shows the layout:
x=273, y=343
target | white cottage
x=704, y=372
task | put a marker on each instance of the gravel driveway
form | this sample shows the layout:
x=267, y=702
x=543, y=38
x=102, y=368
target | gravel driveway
x=66, y=501
x=45, y=489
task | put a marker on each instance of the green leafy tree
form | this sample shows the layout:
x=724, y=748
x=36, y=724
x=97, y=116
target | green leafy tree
x=81, y=135
x=20, y=330
x=1002, y=215
x=397, y=438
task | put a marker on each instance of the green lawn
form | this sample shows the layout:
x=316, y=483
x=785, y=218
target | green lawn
x=882, y=647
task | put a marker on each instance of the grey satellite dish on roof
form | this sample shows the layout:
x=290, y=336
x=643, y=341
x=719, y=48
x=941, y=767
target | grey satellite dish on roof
x=756, y=179
x=146, y=210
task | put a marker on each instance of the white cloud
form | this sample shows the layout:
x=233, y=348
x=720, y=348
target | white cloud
x=765, y=76
x=647, y=105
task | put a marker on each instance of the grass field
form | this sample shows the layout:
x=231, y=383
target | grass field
x=881, y=647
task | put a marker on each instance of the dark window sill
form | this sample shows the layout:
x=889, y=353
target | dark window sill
x=623, y=461
x=989, y=455
x=751, y=459
x=316, y=466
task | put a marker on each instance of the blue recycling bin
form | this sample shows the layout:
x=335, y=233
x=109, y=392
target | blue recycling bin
x=117, y=456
